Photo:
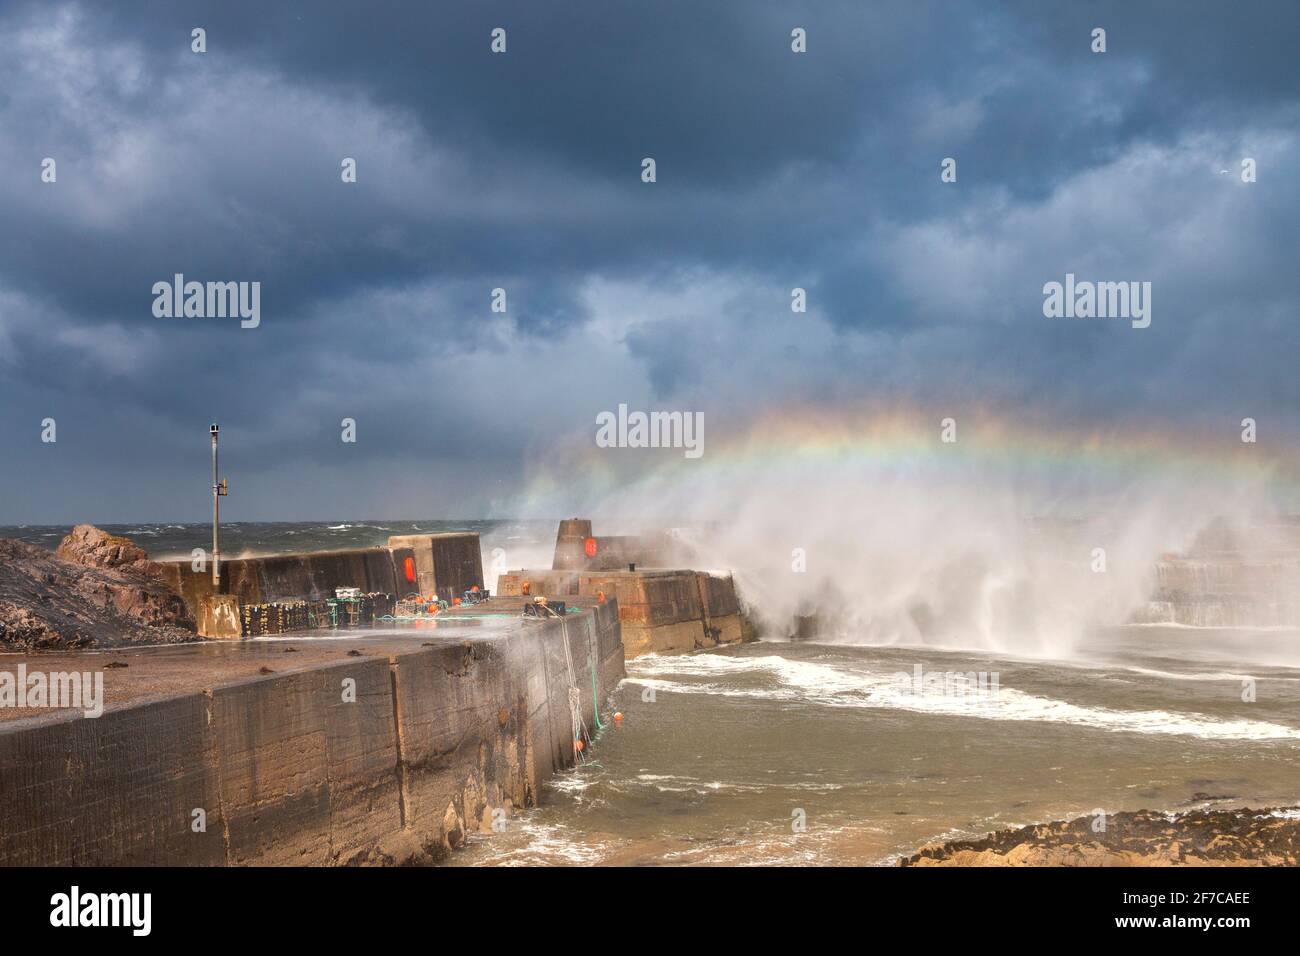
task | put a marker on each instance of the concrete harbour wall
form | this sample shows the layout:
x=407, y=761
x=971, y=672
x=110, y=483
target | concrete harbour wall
x=447, y=564
x=437, y=741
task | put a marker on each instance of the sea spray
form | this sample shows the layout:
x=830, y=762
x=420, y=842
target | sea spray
x=876, y=530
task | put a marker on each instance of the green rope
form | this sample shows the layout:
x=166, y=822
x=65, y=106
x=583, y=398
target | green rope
x=595, y=702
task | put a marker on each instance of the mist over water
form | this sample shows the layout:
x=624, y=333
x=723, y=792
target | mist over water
x=979, y=558
x=886, y=535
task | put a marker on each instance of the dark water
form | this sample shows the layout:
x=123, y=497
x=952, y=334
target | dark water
x=737, y=745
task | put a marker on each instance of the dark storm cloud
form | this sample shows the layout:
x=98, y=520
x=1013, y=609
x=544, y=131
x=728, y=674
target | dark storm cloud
x=521, y=171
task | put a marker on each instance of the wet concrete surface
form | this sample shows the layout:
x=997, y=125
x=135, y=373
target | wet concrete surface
x=138, y=674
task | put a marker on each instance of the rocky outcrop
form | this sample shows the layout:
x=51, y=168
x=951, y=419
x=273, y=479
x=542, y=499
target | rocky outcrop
x=1234, y=837
x=106, y=595
x=93, y=548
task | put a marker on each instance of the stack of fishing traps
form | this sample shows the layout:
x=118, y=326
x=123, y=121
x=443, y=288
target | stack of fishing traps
x=283, y=617
x=415, y=607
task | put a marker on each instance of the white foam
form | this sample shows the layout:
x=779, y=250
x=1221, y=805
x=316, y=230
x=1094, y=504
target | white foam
x=1211, y=676
x=842, y=687
x=549, y=844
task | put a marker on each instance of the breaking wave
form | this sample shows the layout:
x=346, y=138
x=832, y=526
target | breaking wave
x=804, y=681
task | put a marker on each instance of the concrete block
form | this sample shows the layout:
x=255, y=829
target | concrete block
x=729, y=629
x=218, y=617
x=117, y=790
x=717, y=594
x=361, y=744
x=649, y=598
x=639, y=638
x=449, y=704
x=457, y=563
x=557, y=584
x=447, y=564
x=307, y=777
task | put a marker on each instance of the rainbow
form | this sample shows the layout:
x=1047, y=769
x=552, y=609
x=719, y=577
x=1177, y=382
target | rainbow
x=799, y=440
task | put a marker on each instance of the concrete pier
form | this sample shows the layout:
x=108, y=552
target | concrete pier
x=378, y=746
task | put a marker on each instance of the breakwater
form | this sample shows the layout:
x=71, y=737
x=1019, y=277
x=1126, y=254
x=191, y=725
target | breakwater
x=385, y=748
x=661, y=611
x=379, y=745
x=663, y=606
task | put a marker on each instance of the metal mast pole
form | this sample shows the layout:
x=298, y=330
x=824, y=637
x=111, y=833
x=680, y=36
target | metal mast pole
x=216, y=497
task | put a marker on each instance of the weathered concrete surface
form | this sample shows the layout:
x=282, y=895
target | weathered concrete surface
x=447, y=564
x=219, y=617
x=457, y=562
x=306, y=764
x=472, y=749
x=118, y=790
x=388, y=756
x=286, y=576
x=725, y=621
x=661, y=611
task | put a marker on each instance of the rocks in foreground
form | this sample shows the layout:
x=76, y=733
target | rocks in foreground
x=97, y=590
x=1234, y=837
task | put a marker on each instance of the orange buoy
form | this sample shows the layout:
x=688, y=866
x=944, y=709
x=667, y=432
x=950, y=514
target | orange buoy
x=526, y=587
x=618, y=717
x=590, y=547
x=600, y=597
x=578, y=745
x=455, y=602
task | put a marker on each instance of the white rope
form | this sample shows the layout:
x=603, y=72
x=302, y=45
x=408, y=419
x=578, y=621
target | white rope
x=579, y=726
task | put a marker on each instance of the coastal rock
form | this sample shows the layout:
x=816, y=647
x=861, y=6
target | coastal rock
x=47, y=601
x=94, y=548
x=1222, y=837
x=20, y=627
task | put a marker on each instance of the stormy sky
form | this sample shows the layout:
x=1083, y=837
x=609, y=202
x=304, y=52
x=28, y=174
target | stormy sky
x=522, y=171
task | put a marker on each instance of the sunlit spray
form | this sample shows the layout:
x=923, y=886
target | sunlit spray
x=880, y=530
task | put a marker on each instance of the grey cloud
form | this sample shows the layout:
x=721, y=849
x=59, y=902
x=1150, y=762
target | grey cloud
x=521, y=171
